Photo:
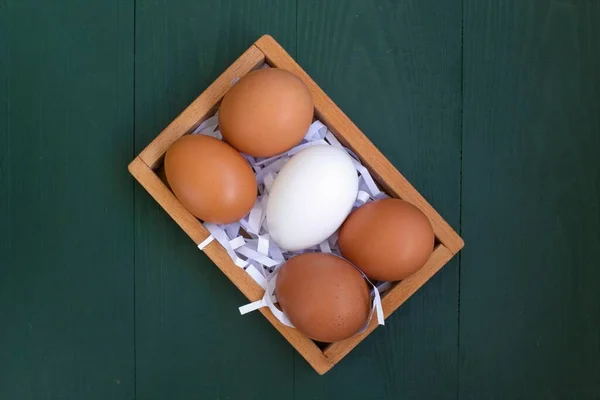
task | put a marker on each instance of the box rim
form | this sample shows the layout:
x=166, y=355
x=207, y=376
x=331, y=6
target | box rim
x=266, y=49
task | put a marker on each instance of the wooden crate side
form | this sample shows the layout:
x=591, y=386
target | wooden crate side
x=392, y=300
x=201, y=108
x=349, y=134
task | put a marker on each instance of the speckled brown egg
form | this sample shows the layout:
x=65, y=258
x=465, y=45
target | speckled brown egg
x=387, y=239
x=267, y=112
x=210, y=178
x=323, y=295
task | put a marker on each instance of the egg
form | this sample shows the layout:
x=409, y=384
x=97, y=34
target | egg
x=210, y=178
x=310, y=197
x=387, y=239
x=267, y=112
x=323, y=296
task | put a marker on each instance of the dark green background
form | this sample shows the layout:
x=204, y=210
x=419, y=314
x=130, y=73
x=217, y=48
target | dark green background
x=490, y=108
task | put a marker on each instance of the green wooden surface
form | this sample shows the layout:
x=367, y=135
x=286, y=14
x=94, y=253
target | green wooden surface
x=491, y=109
x=66, y=203
x=529, y=302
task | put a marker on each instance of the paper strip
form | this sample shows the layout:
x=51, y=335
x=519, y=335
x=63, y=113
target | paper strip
x=270, y=303
x=268, y=300
x=382, y=287
x=324, y=246
x=269, y=179
x=352, y=154
x=222, y=238
x=378, y=306
x=253, y=306
x=245, y=225
x=263, y=203
x=236, y=242
x=232, y=230
x=275, y=252
x=254, y=219
x=256, y=256
x=333, y=239
x=269, y=160
x=211, y=122
x=263, y=244
x=240, y=263
x=333, y=140
x=364, y=173
x=257, y=276
x=381, y=195
x=206, y=242
x=362, y=197
x=271, y=168
x=316, y=131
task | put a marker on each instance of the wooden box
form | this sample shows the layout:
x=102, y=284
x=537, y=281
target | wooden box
x=145, y=166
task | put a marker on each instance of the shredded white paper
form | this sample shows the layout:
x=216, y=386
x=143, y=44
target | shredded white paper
x=258, y=255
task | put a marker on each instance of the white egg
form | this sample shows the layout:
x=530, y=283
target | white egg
x=311, y=197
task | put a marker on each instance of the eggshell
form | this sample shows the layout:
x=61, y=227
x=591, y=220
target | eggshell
x=310, y=197
x=266, y=112
x=323, y=296
x=387, y=239
x=210, y=178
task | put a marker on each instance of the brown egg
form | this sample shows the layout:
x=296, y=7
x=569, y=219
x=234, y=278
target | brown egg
x=266, y=112
x=324, y=296
x=387, y=239
x=210, y=178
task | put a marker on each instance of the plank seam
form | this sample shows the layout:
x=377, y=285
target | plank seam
x=460, y=201
x=134, y=209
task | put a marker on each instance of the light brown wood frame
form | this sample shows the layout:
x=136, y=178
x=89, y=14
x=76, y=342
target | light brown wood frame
x=266, y=49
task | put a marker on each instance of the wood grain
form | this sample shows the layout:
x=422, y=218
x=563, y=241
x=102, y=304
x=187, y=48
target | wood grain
x=66, y=202
x=349, y=134
x=530, y=305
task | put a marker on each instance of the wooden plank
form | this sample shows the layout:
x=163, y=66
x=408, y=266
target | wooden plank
x=190, y=337
x=66, y=202
x=394, y=68
x=530, y=308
